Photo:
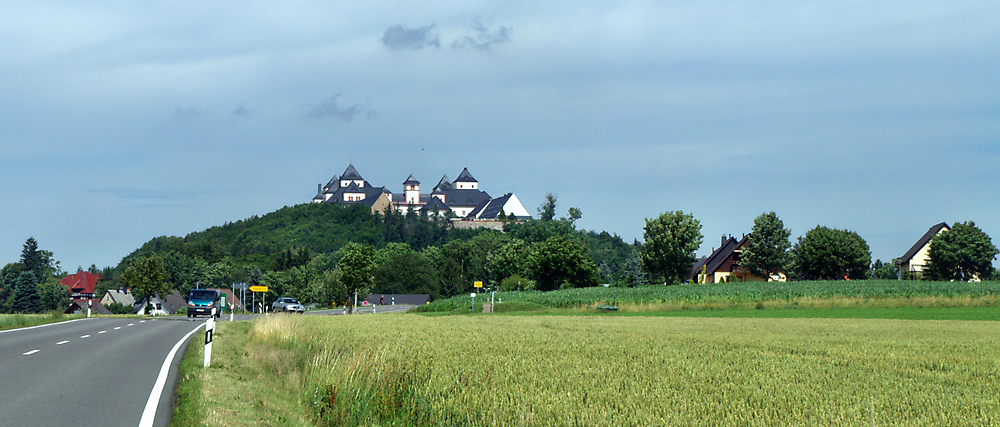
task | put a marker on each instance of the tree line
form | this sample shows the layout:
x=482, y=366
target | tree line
x=323, y=254
x=31, y=285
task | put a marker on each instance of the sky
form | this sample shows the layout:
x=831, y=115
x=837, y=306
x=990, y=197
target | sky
x=123, y=121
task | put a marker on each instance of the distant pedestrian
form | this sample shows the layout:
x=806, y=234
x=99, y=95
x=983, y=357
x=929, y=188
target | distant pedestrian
x=381, y=300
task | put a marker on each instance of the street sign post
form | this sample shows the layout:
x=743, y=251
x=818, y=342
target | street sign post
x=258, y=288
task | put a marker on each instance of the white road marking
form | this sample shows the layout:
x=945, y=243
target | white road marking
x=142, y=321
x=154, y=396
x=84, y=336
x=118, y=327
x=102, y=332
x=61, y=342
x=130, y=324
x=31, y=352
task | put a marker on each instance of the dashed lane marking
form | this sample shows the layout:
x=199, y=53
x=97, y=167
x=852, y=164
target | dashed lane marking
x=61, y=342
x=31, y=352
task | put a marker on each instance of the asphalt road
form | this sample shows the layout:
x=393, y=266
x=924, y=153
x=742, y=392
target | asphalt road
x=91, y=371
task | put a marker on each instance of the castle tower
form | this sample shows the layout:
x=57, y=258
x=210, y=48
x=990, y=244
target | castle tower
x=465, y=181
x=411, y=187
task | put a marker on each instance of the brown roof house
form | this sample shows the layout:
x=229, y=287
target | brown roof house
x=914, y=261
x=723, y=265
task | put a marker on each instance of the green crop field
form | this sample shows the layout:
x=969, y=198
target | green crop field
x=405, y=369
x=809, y=294
x=12, y=321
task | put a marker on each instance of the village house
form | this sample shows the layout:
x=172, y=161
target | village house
x=81, y=285
x=914, y=261
x=460, y=199
x=723, y=265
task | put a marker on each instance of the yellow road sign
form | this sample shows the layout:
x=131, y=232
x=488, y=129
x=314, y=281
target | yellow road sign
x=478, y=284
x=258, y=289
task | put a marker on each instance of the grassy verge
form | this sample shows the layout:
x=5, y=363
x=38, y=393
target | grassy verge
x=250, y=382
x=14, y=321
x=600, y=370
x=810, y=294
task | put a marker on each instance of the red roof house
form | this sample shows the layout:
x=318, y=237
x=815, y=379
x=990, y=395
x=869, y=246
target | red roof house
x=81, y=285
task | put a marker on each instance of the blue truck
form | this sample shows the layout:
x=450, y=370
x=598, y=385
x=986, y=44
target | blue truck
x=202, y=301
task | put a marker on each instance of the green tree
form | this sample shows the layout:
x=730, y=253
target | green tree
x=767, y=246
x=147, y=277
x=509, y=260
x=402, y=270
x=357, y=268
x=670, y=244
x=547, y=211
x=26, y=298
x=559, y=261
x=884, y=270
x=53, y=296
x=962, y=253
x=831, y=254
x=39, y=262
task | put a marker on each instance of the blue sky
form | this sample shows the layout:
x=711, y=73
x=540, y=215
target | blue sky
x=121, y=122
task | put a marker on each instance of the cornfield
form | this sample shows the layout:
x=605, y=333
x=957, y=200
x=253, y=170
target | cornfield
x=747, y=293
x=604, y=371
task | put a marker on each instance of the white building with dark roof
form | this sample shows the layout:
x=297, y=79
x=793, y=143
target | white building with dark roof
x=461, y=198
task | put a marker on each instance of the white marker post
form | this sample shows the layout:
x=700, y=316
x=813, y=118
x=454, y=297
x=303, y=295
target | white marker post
x=209, y=329
x=232, y=306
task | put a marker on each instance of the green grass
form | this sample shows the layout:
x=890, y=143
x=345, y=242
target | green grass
x=14, y=321
x=750, y=294
x=403, y=369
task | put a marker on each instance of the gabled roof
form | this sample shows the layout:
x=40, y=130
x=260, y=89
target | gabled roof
x=465, y=176
x=411, y=180
x=489, y=209
x=464, y=197
x=353, y=188
x=443, y=185
x=121, y=297
x=81, y=305
x=715, y=260
x=435, y=204
x=351, y=173
x=924, y=240
x=81, y=282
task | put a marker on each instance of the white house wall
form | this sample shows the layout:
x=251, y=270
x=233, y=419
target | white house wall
x=514, y=206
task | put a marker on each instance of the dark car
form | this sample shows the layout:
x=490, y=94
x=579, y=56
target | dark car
x=202, y=301
x=287, y=304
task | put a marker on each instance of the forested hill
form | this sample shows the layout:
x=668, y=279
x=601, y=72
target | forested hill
x=295, y=246
x=311, y=227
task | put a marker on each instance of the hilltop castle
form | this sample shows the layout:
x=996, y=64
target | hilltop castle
x=461, y=198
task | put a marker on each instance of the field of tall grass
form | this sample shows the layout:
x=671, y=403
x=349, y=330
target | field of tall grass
x=12, y=321
x=406, y=369
x=807, y=294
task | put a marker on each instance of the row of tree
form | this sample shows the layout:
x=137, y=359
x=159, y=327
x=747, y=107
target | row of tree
x=325, y=253
x=31, y=285
x=963, y=253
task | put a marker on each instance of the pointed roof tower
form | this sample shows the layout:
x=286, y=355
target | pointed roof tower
x=411, y=180
x=465, y=181
x=443, y=185
x=465, y=176
x=351, y=174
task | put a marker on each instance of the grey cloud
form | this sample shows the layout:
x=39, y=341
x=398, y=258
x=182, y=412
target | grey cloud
x=243, y=111
x=484, y=38
x=331, y=109
x=186, y=113
x=400, y=38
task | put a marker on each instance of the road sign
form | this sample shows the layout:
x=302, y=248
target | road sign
x=258, y=289
x=478, y=284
